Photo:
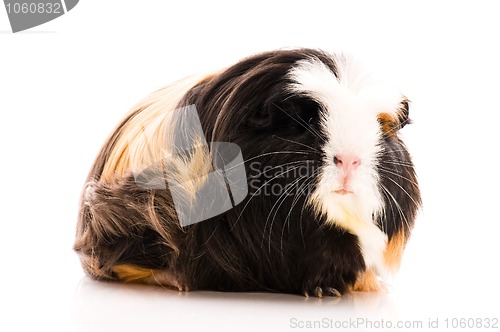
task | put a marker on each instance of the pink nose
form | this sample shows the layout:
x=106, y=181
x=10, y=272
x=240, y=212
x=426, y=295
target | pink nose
x=347, y=163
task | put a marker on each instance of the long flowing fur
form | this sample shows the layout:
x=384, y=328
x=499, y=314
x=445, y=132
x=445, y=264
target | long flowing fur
x=279, y=241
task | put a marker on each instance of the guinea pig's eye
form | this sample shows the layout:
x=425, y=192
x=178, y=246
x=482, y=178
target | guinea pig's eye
x=303, y=113
x=295, y=114
x=308, y=110
x=261, y=117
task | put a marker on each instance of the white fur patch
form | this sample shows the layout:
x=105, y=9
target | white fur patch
x=351, y=105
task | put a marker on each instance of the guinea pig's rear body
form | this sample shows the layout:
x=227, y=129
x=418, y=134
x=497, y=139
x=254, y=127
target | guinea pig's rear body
x=328, y=198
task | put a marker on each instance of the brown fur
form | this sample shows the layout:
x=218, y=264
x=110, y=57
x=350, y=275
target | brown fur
x=395, y=249
x=104, y=236
x=367, y=282
x=390, y=123
x=131, y=233
x=131, y=273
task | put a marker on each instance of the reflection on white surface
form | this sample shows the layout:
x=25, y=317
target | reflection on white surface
x=108, y=306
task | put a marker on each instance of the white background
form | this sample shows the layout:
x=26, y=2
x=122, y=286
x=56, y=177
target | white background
x=64, y=85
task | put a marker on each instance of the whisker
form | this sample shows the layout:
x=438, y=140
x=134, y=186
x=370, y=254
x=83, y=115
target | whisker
x=280, y=200
x=387, y=171
x=301, y=190
x=404, y=164
x=394, y=151
x=259, y=189
x=384, y=225
x=268, y=154
x=398, y=206
x=409, y=196
x=295, y=142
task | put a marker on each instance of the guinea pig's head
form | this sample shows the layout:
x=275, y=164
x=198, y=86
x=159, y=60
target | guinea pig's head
x=319, y=126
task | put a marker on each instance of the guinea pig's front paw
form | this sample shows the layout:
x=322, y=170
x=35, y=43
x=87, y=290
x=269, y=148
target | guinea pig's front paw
x=322, y=291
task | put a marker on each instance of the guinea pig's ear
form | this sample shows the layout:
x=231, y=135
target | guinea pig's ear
x=404, y=113
x=392, y=123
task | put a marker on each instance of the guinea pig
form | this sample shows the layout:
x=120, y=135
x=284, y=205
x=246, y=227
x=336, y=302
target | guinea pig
x=284, y=172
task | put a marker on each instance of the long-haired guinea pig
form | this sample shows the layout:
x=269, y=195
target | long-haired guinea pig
x=282, y=173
